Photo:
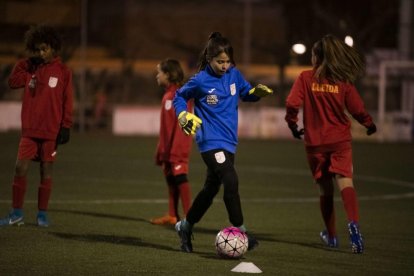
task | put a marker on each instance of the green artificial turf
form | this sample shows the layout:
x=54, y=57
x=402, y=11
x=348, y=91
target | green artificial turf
x=106, y=188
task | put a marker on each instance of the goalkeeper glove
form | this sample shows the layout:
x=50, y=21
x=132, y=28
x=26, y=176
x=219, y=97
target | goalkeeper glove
x=189, y=122
x=297, y=133
x=63, y=136
x=371, y=129
x=261, y=90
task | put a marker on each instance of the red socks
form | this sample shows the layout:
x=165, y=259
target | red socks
x=44, y=192
x=176, y=192
x=328, y=213
x=185, y=194
x=326, y=204
x=173, y=200
x=350, y=203
x=19, y=190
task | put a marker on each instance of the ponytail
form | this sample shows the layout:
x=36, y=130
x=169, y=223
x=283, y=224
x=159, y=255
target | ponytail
x=216, y=45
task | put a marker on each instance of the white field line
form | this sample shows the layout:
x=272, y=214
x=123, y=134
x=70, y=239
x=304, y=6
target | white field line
x=250, y=200
x=256, y=169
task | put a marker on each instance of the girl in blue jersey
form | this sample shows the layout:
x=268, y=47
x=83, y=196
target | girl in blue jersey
x=216, y=90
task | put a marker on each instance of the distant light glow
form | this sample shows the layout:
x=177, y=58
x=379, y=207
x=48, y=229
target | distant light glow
x=349, y=40
x=299, y=48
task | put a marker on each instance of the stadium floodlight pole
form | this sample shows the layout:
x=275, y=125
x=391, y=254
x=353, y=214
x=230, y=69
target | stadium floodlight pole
x=247, y=29
x=247, y=32
x=83, y=49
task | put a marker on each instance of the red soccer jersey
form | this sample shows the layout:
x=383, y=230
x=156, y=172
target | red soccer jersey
x=173, y=145
x=49, y=105
x=324, y=105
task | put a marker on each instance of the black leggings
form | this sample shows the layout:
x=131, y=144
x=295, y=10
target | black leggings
x=220, y=169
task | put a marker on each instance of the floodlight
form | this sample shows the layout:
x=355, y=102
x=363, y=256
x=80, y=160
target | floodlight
x=299, y=48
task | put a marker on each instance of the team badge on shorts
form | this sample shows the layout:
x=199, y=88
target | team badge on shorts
x=233, y=89
x=168, y=104
x=220, y=157
x=53, y=82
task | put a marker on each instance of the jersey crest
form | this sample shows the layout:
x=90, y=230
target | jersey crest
x=53, y=82
x=233, y=89
x=168, y=104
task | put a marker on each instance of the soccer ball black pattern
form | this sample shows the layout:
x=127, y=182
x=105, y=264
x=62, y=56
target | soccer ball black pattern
x=231, y=243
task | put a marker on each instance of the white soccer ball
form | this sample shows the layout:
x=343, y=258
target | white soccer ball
x=231, y=243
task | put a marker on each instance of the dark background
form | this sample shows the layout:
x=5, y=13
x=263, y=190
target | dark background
x=136, y=29
x=114, y=46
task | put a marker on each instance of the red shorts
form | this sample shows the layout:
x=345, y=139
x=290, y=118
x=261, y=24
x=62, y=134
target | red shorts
x=37, y=149
x=174, y=168
x=324, y=164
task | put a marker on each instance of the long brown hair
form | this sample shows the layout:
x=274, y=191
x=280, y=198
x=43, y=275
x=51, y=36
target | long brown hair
x=216, y=45
x=173, y=68
x=337, y=61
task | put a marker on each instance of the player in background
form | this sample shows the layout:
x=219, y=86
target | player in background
x=326, y=92
x=216, y=90
x=174, y=146
x=46, y=116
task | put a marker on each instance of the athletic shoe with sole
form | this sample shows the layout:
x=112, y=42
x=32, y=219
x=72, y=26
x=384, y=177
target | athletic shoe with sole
x=185, y=237
x=13, y=218
x=253, y=243
x=42, y=219
x=355, y=237
x=328, y=241
x=167, y=219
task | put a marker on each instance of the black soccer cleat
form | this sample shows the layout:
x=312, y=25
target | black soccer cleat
x=185, y=237
x=253, y=243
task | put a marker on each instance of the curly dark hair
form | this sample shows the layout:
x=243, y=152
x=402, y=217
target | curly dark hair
x=42, y=34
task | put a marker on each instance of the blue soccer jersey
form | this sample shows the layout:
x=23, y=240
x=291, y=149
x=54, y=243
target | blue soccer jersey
x=216, y=101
